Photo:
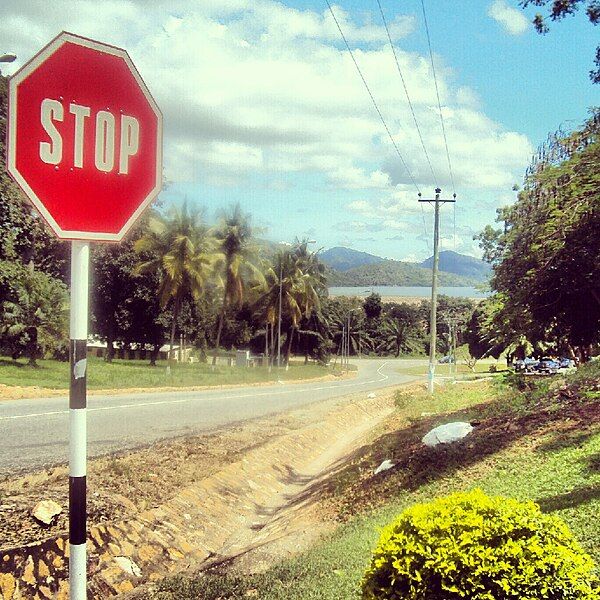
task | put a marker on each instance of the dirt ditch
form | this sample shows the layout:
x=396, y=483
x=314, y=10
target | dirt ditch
x=124, y=488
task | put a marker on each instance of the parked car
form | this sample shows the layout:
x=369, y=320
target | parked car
x=527, y=365
x=445, y=360
x=548, y=365
x=566, y=363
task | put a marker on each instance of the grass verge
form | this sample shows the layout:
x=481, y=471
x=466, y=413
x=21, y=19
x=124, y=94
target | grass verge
x=52, y=374
x=447, y=370
x=533, y=440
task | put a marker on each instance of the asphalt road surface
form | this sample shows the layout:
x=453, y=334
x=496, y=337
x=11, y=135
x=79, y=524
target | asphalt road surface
x=34, y=433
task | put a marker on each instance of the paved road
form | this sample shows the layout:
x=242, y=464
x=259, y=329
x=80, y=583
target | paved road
x=34, y=433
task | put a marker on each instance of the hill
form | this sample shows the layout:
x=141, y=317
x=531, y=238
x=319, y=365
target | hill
x=344, y=259
x=460, y=264
x=394, y=272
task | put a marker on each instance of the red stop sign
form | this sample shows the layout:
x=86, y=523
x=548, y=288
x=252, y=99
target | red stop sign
x=84, y=138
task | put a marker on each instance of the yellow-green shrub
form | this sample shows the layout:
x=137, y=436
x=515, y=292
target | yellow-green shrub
x=469, y=545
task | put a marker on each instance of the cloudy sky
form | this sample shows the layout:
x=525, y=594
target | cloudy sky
x=263, y=105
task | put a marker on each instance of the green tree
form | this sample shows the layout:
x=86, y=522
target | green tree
x=297, y=276
x=397, y=337
x=179, y=252
x=558, y=10
x=34, y=315
x=23, y=234
x=547, y=281
x=373, y=306
x=236, y=268
x=401, y=330
x=311, y=288
x=113, y=283
x=337, y=314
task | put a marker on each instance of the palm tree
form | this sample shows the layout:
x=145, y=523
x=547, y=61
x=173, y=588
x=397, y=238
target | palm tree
x=177, y=247
x=236, y=266
x=397, y=336
x=313, y=284
x=283, y=284
x=37, y=316
x=298, y=277
x=338, y=319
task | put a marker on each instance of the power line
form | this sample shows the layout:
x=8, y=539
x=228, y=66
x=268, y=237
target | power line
x=412, y=110
x=437, y=91
x=373, y=99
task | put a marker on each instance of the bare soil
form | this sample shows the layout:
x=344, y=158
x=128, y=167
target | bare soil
x=123, y=484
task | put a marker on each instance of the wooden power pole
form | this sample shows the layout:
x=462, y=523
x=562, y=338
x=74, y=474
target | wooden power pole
x=434, y=281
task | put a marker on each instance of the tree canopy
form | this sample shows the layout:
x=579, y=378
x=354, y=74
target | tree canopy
x=547, y=258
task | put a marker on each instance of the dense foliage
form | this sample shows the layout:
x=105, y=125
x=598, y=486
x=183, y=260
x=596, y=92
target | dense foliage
x=546, y=258
x=469, y=545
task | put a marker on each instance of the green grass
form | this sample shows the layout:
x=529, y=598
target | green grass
x=559, y=469
x=446, y=370
x=52, y=374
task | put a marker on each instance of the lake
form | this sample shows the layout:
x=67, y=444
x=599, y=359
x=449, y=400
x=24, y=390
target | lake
x=406, y=291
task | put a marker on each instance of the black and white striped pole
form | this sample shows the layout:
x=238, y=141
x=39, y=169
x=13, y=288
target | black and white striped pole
x=110, y=129
x=80, y=260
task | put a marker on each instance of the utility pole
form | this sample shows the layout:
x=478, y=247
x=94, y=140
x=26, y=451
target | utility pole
x=455, y=324
x=452, y=327
x=279, y=319
x=434, y=280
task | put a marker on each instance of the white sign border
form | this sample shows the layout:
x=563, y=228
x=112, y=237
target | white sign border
x=13, y=84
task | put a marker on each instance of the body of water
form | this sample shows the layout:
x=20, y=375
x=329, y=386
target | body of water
x=406, y=291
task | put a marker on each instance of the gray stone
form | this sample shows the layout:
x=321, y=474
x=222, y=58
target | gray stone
x=384, y=466
x=446, y=434
x=128, y=565
x=46, y=511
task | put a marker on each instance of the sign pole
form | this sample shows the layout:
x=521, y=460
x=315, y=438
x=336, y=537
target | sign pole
x=80, y=258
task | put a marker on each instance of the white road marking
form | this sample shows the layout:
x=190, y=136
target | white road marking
x=193, y=398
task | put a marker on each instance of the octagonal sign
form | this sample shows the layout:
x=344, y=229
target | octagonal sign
x=84, y=138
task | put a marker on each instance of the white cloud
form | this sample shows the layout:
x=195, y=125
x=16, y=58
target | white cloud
x=413, y=258
x=511, y=19
x=256, y=87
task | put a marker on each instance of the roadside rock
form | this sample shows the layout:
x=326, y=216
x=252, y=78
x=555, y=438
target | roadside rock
x=128, y=565
x=384, y=466
x=46, y=511
x=446, y=434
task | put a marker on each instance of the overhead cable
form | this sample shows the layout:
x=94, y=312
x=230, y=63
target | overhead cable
x=373, y=99
x=437, y=91
x=412, y=110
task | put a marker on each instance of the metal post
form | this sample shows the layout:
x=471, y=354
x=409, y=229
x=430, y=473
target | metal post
x=348, y=338
x=279, y=321
x=346, y=354
x=80, y=255
x=343, y=346
x=266, y=362
x=454, y=328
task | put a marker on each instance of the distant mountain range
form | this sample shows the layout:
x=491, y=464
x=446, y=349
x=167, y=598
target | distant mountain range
x=460, y=264
x=344, y=259
x=347, y=267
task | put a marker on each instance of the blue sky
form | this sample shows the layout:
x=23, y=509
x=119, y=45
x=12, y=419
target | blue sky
x=263, y=106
